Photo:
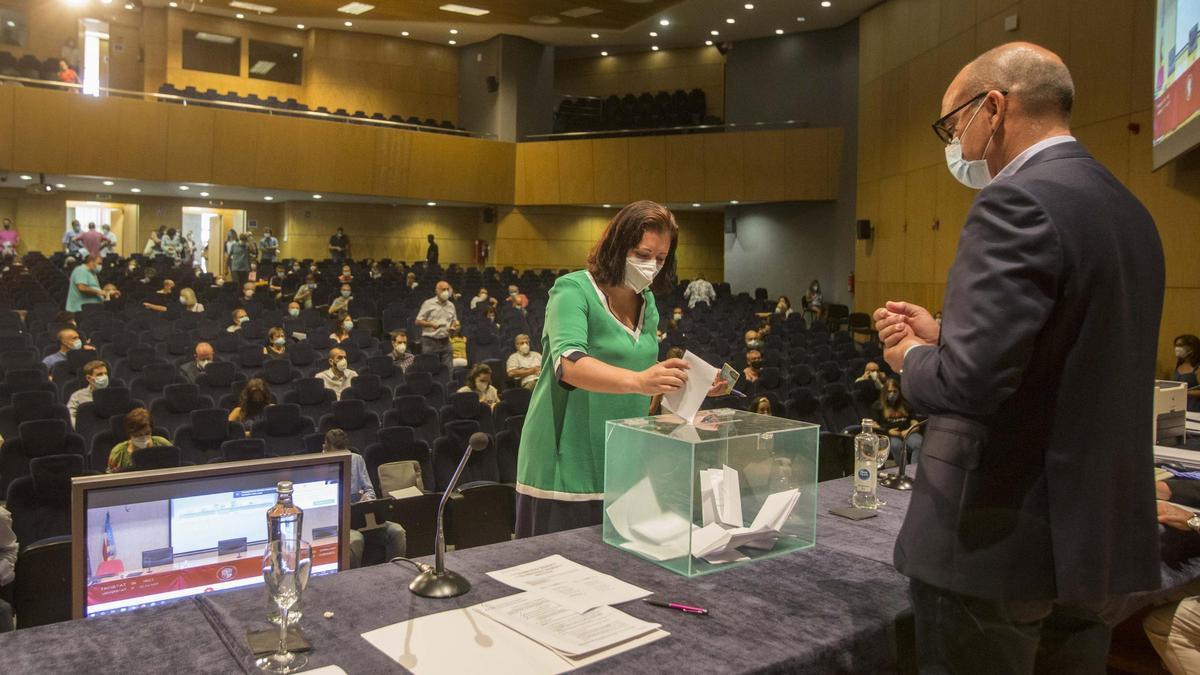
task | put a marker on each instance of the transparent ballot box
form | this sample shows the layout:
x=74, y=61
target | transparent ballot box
x=733, y=488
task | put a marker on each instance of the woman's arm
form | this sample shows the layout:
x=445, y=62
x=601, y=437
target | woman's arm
x=595, y=375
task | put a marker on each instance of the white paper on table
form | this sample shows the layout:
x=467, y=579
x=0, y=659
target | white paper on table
x=775, y=510
x=560, y=628
x=687, y=400
x=569, y=584
x=326, y=670
x=405, y=493
x=722, y=557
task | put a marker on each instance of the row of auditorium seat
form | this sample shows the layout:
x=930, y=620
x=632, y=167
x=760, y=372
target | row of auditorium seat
x=645, y=111
x=28, y=66
x=212, y=96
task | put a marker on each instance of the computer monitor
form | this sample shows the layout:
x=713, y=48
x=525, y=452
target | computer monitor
x=148, y=537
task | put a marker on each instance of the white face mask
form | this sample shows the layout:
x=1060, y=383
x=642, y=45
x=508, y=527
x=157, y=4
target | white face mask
x=248, y=294
x=482, y=386
x=345, y=294
x=243, y=319
x=639, y=274
x=203, y=363
x=523, y=350
x=893, y=396
x=340, y=364
x=401, y=347
x=140, y=442
x=292, y=311
x=444, y=295
x=974, y=173
x=677, y=317
x=348, y=325
x=1181, y=352
x=100, y=382
x=77, y=344
x=182, y=300
x=279, y=342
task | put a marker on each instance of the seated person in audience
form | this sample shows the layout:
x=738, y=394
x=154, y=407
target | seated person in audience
x=66, y=74
x=375, y=272
x=524, y=364
x=1187, y=360
x=392, y=536
x=8, y=563
x=656, y=400
x=761, y=405
x=276, y=282
x=276, y=344
x=68, y=340
x=96, y=375
x=248, y=290
x=753, y=340
x=482, y=298
x=293, y=310
x=699, y=290
x=753, y=365
x=304, y=294
x=140, y=429
x=187, y=297
x=162, y=299
x=872, y=372
x=489, y=316
x=1174, y=628
x=346, y=276
x=341, y=330
x=677, y=315
x=400, y=354
x=458, y=346
x=783, y=306
x=342, y=302
x=253, y=400
x=894, y=416
x=479, y=381
x=115, y=302
x=203, y=356
x=338, y=376
x=410, y=280
x=239, y=317
x=812, y=300
x=516, y=298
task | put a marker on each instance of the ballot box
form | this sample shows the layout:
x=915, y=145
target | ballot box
x=697, y=498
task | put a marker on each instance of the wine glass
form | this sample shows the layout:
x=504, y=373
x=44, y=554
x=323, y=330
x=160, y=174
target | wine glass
x=286, y=566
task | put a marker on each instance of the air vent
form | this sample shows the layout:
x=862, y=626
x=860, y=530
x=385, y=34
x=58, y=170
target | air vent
x=356, y=8
x=580, y=12
x=252, y=7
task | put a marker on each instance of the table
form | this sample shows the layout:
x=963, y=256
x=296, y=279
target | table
x=829, y=608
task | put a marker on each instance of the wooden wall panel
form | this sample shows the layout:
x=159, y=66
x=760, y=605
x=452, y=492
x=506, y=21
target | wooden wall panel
x=685, y=168
x=610, y=170
x=723, y=167
x=764, y=166
x=390, y=172
x=807, y=155
x=537, y=173
x=277, y=155
x=648, y=168
x=94, y=125
x=576, y=173
x=142, y=140
x=497, y=166
x=40, y=118
x=233, y=133
x=190, y=139
x=7, y=103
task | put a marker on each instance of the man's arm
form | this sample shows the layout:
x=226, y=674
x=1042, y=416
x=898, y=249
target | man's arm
x=1001, y=289
x=1184, y=491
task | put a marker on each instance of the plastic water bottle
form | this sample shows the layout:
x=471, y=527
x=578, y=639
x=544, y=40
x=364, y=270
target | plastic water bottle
x=284, y=520
x=866, y=452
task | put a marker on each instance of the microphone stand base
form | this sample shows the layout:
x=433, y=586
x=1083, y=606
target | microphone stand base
x=445, y=585
x=896, y=481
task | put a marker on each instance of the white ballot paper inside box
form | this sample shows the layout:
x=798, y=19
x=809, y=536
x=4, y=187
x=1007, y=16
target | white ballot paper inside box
x=687, y=400
x=721, y=509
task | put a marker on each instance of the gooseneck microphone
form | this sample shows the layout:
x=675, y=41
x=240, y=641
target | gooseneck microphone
x=440, y=582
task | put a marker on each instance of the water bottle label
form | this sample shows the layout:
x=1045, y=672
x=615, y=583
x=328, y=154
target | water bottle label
x=864, y=478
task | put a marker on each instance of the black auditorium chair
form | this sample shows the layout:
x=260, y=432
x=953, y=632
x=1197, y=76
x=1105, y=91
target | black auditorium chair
x=804, y=406
x=42, y=586
x=466, y=406
x=385, y=369
x=413, y=411
x=313, y=397
x=135, y=361
x=369, y=390
x=283, y=429
x=865, y=395
x=508, y=440
x=513, y=402
x=429, y=363
x=485, y=514
x=837, y=408
x=31, y=379
x=156, y=457
x=398, y=444
x=92, y=417
x=240, y=449
x=174, y=408
x=40, y=502
x=34, y=439
x=219, y=378
x=303, y=357
x=422, y=384
x=279, y=374
x=448, y=451
x=27, y=406
x=154, y=378
x=361, y=425
x=250, y=357
x=200, y=439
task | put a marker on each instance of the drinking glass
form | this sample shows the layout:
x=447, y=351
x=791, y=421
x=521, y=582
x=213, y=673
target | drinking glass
x=286, y=567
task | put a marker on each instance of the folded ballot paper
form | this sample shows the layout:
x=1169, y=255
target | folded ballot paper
x=686, y=401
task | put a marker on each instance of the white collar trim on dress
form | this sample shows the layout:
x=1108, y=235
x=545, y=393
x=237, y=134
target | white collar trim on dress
x=636, y=334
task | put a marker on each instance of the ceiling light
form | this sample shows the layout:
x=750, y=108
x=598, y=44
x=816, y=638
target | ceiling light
x=748, y=6
x=545, y=19
x=184, y=188
x=608, y=206
x=172, y=4
x=203, y=194
x=355, y=8
x=454, y=31
x=135, y=190
x=714, y=32
x=731, y=20
x=106, y=2
x=453, y=42
x=430, y=203
x=801, y=19
x=581, y=12
x=26, y=176
x=695, y=205
x=603, y=53
x=300, y=26
x=240, y=15
x=403, y=33
x=708, y=43
x=653, y=34
x=262, y=67
x=779, y=31
x=129, y=5
x=11, y=23
x=262, y=9
x=654, y=47
x=664, y=22
x=269, y=198
x=827, y=3
x=733, y=201
x=348, y=24
x=316, y=196
x=213, y=37
x=463, y=9
x=595, y=36
x=108, y=182
x=59, y=186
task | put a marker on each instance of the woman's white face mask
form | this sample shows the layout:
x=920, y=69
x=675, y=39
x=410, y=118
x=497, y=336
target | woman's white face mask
x=639, y=274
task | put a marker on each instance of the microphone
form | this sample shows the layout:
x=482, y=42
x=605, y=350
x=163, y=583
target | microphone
x=440, y=582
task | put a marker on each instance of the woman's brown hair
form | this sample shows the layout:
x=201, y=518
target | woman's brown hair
x=255, y=397
x=138, y=420
x=606, y=260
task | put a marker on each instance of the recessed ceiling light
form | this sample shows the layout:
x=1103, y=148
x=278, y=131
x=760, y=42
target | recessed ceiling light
x=608, y=206
x=664, y=22
x=708, y=43
x=300, y=26
x=603, y=53
x=403, y=33
x=453, y=42
x=106, y=2
x=240, y=15
x=108, y=182
x=430, y=203
x=595, y=36
x=827, y=3
x=269, y=198
x=463, y=9
x=733, y=201
x=184, y=188
x=59, y=186
x=316, y=196
x=801, y=19
x=26, y=176
x=653, y=34
x=11, y=24
x=203, y=194
x=348, y=24
x=748, y=6
x=779, y=31
x=731, y=20
x=454, y=31
x=253, y=7
x=172, y=4
x=129, y=6
x=654, y=47
x=355, y=8
x=135, y=189
x=714, y=32
x=545, y=19
x=695, y=205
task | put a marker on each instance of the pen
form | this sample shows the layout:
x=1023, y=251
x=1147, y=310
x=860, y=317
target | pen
x=675, y=605
x=735, y=391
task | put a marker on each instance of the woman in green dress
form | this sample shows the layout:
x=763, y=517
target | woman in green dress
x=599, y=342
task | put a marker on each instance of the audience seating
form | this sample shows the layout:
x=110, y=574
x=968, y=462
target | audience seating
x=174, y=408
x=422, y=384
x=36, y=438
x=508, y=440
x=157, y=457
x=282, y=429
x=368, y=389
x=102, y=443
x=42, y=587
x=313, y=397
x=40, y=502
x=200, y=439
x=486, y=514
x=27, y=406
x=397, y=444
x=465, y=405
x=352, y=417
x=448, y=451
x=414, y=411
x=513, y=402
x=240, y=449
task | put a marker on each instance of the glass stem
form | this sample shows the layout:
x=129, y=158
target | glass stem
x=283, y=628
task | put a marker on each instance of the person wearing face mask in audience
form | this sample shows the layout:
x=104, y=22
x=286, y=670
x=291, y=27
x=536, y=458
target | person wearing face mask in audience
x=249, y=288
x=276, y=282
x=253, y=400
x=346, y=276
x=68, y=341
x=482, y=298
x=400, y=354
x=516, y=298
x=677, y=315
x=599, y=356
x=524, y=364
x=871, y=372
x=813, y=302
x=753, y=340
x=338, y=376
x=410, y=280
x=783, y=307
x=1187, y=359
x=276, y=347
x=293, y=310
x=140, y=429
x=341, y=303
x=479, y=382
x=203, y=356
x=896, y=419
x=753, y=365
x=240, y=317
x=458, y=346
x=304, y=294
x=434, y=319
x=84, y=288
x=96, y=375
x=341, y=331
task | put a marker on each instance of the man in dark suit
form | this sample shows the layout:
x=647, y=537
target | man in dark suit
x=192, y=369
x=1033, y=507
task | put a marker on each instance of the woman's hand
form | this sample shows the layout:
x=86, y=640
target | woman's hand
x=1174, y=516
x=663, y=378
x=720, y=386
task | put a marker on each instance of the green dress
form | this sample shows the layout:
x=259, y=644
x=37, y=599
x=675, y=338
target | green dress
x=561, y=456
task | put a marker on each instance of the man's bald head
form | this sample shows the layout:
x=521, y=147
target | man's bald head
x=1035, y=77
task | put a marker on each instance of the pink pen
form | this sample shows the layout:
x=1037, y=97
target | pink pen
x=687, y=609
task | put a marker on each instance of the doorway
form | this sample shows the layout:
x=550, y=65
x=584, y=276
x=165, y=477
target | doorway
x=95, y=55
x=208, y=228
x=122, y=219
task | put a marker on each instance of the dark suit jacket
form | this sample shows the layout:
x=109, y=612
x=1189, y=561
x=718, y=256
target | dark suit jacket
x=1184, y=491
x=1036, y=474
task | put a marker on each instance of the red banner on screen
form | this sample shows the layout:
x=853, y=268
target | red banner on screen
x=1179, y=103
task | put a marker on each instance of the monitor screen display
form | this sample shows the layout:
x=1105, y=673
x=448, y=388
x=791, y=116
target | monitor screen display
x=182, y=532
x=1176, y=79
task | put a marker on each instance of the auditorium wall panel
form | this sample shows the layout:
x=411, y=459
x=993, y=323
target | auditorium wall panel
x=637, y=72
x=1108, y=46
x=610, y=170
x=89, y=135
x=648, y=168
x=141, y=143
x=191, y=135
x=41, y=117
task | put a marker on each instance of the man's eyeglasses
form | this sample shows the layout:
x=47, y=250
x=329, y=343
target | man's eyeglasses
x=945, y=130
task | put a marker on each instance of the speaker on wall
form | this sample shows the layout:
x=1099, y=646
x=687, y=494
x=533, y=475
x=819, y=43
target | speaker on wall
x=731, y=226
x=864, y=229
x=489, y=214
